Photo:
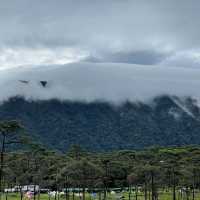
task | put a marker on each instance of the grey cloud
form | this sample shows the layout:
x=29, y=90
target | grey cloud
x=182, y=59
x=146, y=57
x=92, y=81
x=109, y=26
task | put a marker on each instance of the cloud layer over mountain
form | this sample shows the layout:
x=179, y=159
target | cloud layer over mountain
x=103, y=81
x=121, y=49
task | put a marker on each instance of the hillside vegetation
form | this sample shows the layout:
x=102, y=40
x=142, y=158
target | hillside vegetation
x=100, y=126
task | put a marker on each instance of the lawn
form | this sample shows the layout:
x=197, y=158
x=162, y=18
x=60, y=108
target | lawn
x=140, y=196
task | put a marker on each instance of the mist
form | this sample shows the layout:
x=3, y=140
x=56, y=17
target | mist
x=112, y=82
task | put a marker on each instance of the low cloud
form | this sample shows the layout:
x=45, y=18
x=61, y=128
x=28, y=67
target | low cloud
x=39, y=38
x=103, y=81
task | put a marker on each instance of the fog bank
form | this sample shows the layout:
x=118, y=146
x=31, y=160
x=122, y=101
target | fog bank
x=103, y=81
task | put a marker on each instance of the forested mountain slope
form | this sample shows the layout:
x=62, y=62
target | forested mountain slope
x=99, y=126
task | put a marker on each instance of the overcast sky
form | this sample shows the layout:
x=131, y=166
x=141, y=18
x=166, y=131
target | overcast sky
x=45, y=33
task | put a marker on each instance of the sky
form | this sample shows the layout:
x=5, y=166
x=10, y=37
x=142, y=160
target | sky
x=154, y=40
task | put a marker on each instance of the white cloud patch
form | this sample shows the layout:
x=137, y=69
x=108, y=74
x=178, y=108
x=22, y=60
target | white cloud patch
x=183, y=59
x=105, y=81
x=15, y=57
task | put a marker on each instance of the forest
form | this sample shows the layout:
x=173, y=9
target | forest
x=102, y=126
x=150, y=174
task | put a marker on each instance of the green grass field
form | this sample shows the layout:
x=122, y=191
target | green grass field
x=140, y=196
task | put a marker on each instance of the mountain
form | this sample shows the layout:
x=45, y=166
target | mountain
x=101, y=126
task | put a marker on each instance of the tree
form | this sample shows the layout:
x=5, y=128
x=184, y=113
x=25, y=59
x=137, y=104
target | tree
x=9, y=134
x=82, y=173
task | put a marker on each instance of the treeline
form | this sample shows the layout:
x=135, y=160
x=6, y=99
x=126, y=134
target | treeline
x=153, y=170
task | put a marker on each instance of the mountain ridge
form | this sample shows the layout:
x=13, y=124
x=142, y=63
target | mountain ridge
x=101, y=126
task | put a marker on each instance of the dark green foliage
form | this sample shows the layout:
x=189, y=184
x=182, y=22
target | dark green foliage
x=100, y=126
x=98, y=170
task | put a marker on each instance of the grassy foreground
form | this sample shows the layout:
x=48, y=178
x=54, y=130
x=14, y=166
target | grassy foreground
x=140, y=196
